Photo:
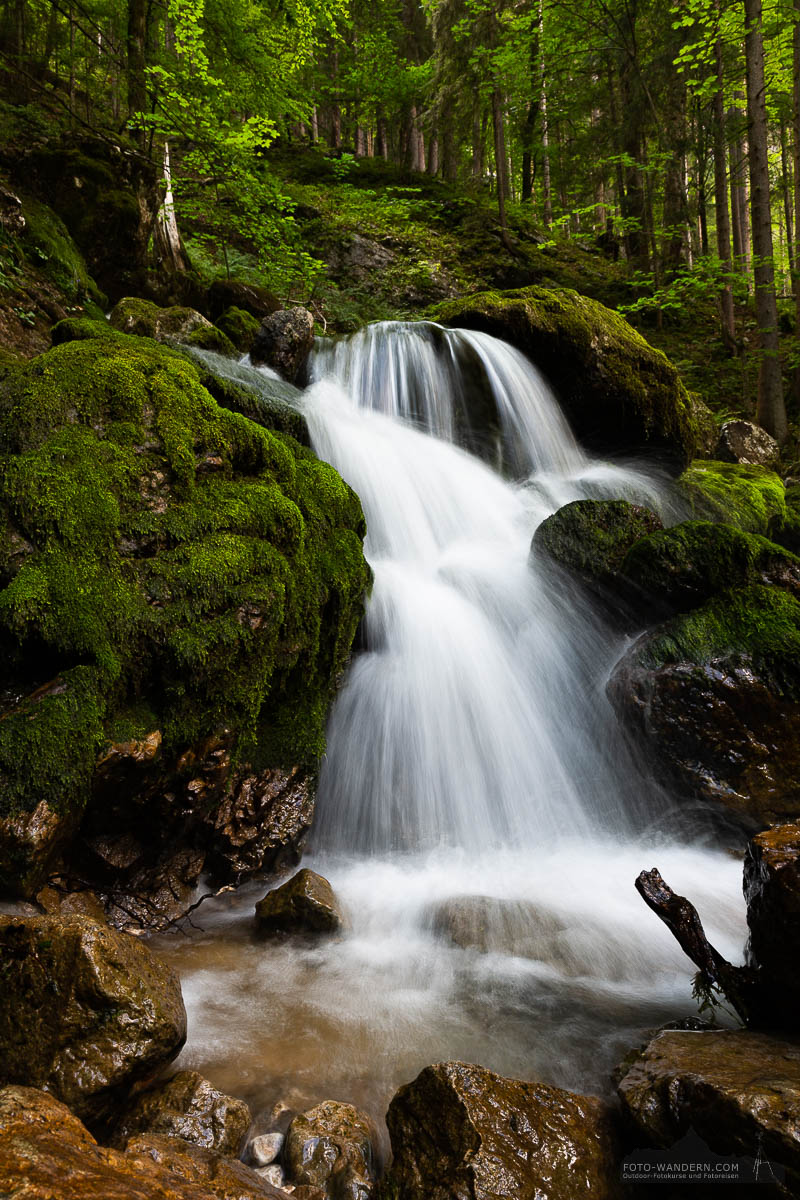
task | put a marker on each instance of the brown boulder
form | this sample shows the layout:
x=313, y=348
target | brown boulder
x=47, y=1154
x=261, y=823
x=189, y=1107
x=85, y=1011
x=330, y=1147
x=772, y=891
x=211, y=1174
x=284, y=342
x=304, y=904
x=460, y=1132
x=739, y=1091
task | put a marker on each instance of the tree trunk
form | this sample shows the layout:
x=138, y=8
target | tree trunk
x=786, y=188
x=136, y=54
x=771, y=412
x=796, y=152
x=547, y=195
x=727, y=318
x=166, y=236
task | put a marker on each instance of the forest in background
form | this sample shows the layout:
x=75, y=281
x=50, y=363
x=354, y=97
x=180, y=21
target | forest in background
x=667, y=136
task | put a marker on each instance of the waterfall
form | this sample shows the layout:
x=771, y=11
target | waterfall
x=473, y=767
x=476, y=715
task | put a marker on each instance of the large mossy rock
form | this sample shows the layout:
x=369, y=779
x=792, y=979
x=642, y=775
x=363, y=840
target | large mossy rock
x=167, y=567
x=47, y=1154
x=740, y=1092
x=713, y=698
x=590, y=539
x=619, y=393
x=460, y=1132
x=85, y=1012
x=752, y=498
x=772, y=891
x=173, y=324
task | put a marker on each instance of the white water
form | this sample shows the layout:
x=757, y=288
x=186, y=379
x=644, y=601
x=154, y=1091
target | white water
x=471, y=752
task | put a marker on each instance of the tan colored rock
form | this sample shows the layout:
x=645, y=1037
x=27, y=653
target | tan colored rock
x=330, y=1147
x=746, y=443
x=47, y=1154
x=85, y=1011
x=304, y=904
x=738, y=1090
x=261, y=823
x=460, y=1132
x=221, y=1178
x=29, y=846
x=189, y=1107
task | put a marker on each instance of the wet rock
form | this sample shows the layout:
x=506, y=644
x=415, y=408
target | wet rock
x=304, y=904
x=57, y=900
x=330, y=1147
x=713, y=699
x=12, y=218
x=772, y=891
x=29, y=846
x=487, y=923
x=462, y=1131
x=688, y=564
x=261, y=823
x=210, y=1173
x=273, y=1174
x=743, y=442
x=189, y=1107
x=47, y=1154
x=739, y=1091
x=225, y=294
x=264, y=1149
x=618, y=393
x=590, y=539
x=85, y=1012
x=284, y=342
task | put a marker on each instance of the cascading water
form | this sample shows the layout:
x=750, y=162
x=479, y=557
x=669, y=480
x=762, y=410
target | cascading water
x=471, y=753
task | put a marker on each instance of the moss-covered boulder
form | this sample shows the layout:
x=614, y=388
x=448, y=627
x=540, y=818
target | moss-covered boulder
x=590, y=539
x=46, y=238
x=172, y=324
x=713, y=698
x=240, y=326
x=85, y=1012
x=166, y=565
x=751, y=497
x=460, y=1130
x=619, y=393
x=785, y=526
x=680, y=568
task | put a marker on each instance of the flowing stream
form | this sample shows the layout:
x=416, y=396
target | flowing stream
x=479, y=814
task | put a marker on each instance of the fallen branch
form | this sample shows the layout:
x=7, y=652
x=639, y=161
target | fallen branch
x=737, y=984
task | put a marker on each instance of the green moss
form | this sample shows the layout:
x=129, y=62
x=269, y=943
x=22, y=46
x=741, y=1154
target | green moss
x=784, y=527
x=592, y=537
x=195, y=563
x=757, y=624
x=80, y=329
x=48, y=744
x=750, y=497
x=136, y=316
x=209, y=337
x=48, y=245
x=240, y=326
x=686, y=565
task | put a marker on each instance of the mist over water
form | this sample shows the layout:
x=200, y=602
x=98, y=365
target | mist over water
x=471, y=753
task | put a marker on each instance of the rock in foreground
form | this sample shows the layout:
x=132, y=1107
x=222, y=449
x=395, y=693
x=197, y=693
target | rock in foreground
x=772, y=891
x=47, y=1154
x=284, y=342
x=460, y=1132
x=304, y=904
x=85, y=1011
x=189, y=1107
x=330, y=1147
x=739, y=1091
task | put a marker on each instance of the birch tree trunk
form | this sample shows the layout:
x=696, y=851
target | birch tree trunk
x=727, y=316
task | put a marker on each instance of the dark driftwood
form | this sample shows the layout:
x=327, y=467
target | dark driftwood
x=738, y=984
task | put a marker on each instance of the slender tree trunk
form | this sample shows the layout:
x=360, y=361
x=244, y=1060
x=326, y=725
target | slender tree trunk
x=796, y=153
x=136, y=53
x=169, y=246
x=786, y=188
x=771, y=411
x=738, y=172
x=727, y=317
x=314, y=125
x=547, y=193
